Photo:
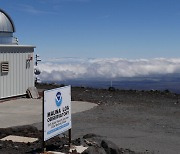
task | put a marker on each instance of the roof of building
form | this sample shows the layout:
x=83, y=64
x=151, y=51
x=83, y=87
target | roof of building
x=17, y=46
x=6, y=23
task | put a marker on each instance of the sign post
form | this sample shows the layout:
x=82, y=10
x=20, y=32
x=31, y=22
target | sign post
x=56, y=113
x=69, y=138
x=43, y=142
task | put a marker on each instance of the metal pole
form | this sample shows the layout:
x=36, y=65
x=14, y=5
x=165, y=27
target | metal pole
x=43, y=142
x=69, y=138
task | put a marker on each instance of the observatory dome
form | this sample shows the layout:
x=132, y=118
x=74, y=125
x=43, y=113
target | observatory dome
x=7, y=29
x=6, y=23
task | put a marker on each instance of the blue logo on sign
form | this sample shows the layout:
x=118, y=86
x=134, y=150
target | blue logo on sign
x=58, y=99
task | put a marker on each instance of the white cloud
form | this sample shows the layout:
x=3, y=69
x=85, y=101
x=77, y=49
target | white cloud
x=110, y=68
x=33, y=10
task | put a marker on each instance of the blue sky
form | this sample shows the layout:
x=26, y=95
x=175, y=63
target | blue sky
x=129, y=29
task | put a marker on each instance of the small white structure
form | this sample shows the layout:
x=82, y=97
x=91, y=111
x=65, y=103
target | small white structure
x=16, y=61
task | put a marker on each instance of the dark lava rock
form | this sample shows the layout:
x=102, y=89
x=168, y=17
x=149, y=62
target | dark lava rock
x=90, y=136
x=94, y=150
x=1, y=145
x=19, y=130
x=77, y=142
x=110, y=147
x=111, y=89
x=96, y=144
x=99, y=145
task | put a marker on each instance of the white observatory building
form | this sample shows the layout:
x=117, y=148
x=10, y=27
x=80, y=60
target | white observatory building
x=16, y=61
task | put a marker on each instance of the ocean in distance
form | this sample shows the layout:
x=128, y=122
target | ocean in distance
x=140, y=83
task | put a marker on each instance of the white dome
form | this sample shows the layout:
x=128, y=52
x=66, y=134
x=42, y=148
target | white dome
x=6, y=23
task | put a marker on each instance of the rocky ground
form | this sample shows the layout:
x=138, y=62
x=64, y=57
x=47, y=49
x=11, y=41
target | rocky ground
x=96, y=144
x=111, y=95
x=143, y=121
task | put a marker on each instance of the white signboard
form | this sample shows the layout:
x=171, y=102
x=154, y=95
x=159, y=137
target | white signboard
x=57, y=111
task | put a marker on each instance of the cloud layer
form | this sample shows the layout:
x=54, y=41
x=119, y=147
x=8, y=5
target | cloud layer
x=110, y=68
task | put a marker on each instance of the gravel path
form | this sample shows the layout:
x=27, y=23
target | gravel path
x=142, y=121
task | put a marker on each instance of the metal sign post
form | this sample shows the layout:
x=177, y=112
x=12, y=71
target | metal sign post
x=69, y=138
x=43, y=142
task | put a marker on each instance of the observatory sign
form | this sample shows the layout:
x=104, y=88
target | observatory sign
x=57, y=111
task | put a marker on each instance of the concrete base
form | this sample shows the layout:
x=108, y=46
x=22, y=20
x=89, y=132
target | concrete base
x=29, y=111
x=19, y=139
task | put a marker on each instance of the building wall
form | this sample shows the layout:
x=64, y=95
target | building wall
x=21, y=71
